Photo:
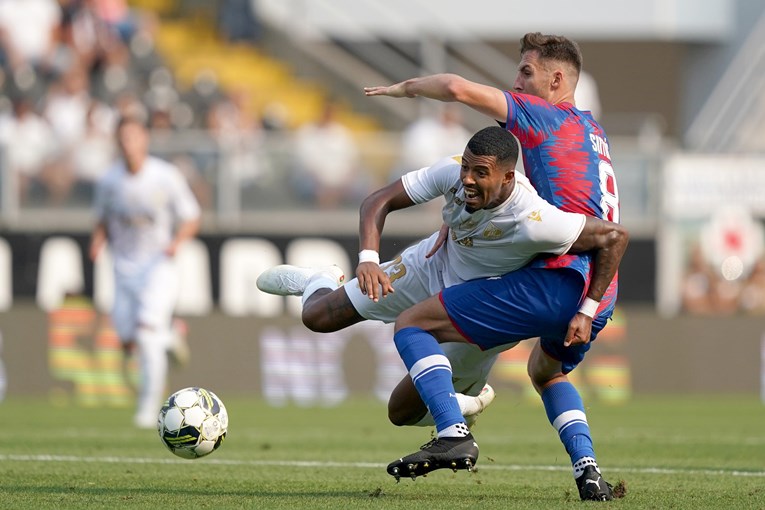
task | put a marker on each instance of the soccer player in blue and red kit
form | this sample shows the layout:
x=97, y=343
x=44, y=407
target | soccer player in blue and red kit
x=565, y=300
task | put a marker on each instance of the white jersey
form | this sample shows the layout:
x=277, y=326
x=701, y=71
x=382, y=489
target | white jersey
x=141, y=211
x=492, y=242
x=483, y=244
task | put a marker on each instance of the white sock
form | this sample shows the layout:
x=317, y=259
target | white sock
x=318, y=281
x=456, y=430
x=468, y=405
x=583, y=463
x=153, y=370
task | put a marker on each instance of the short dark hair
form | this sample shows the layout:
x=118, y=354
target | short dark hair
x=131, y=118
x=553, y=47
x=495, y=141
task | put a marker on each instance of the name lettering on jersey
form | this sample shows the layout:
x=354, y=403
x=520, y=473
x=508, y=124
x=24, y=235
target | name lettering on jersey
x=600, y=146
x=492, y=232
x=535, y=216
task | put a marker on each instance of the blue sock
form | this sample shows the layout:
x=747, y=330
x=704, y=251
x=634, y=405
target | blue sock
x=432, y=375
x=565, y=411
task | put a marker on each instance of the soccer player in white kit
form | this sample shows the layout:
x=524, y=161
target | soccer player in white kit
x=498, y=223
x=145, y=210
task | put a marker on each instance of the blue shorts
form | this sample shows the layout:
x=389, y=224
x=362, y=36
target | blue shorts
x=527, y=303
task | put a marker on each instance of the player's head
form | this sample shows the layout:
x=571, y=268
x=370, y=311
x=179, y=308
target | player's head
x=133, y=140
x=488, y=168
x=549, y=67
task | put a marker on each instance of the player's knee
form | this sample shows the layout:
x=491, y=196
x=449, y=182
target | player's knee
x=317, y=320
x=407, y=318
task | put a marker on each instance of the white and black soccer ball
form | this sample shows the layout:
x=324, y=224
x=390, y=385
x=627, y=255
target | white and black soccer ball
x=192, y=422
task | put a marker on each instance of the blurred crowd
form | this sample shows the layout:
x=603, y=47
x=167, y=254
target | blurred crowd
x=708, y=290
x=70, y=68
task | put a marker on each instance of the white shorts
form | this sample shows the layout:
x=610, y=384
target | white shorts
x=413, y=277
x=145, y=298
x=416, y=278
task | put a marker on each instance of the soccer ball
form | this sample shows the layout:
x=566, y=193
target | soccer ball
x=192, y=422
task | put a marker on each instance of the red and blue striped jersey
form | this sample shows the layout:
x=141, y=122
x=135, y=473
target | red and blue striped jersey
x=566, y=157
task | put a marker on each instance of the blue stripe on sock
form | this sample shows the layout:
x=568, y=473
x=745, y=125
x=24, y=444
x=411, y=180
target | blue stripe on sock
x=574, y=432
x=433, y=382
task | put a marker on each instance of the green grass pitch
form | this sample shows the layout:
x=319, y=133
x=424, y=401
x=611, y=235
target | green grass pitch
x=671, y=452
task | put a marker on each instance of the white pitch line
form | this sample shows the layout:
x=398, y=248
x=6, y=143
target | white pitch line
x=372, y=465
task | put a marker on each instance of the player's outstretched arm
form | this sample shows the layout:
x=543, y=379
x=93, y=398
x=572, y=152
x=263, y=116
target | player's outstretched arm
x=374, y=209
x=609, y=240
x=449, y=88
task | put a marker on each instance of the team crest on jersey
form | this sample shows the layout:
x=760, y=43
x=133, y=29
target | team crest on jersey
x=492, y=232
x=535, y=216
x=467, y=241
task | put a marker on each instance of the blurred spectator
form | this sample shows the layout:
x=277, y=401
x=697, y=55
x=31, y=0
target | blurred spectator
x=698, y=284
x=26, y=137
x=431, y=138
x=29, y=35
x=753, y=292
x=88, y=37
x=275, y=117
x=327, y=162
x=237, y=21
x=66, y=109
x=237, y=130
x=115, y=15
x=707, y=291
x=66, y=106
x=202, y=96
x=93, y=152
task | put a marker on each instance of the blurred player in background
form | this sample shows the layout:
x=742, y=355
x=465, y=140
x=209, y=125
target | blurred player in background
x=145, y=210
x=566, y=157
x=498, y=224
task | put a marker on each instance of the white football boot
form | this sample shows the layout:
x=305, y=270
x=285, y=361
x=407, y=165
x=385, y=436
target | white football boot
x=480, y=402
x=287, y=280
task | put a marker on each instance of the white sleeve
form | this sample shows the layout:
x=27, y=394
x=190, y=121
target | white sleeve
x=553, y=230
x=433, y=181
x=185, y=204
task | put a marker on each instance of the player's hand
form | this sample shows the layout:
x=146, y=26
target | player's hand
x=94, y=250
x=373, y=281
x=579, y=330
x=440, y=240
x=397, y=90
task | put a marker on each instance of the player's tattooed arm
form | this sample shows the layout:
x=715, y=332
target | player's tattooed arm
x=609, y=241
